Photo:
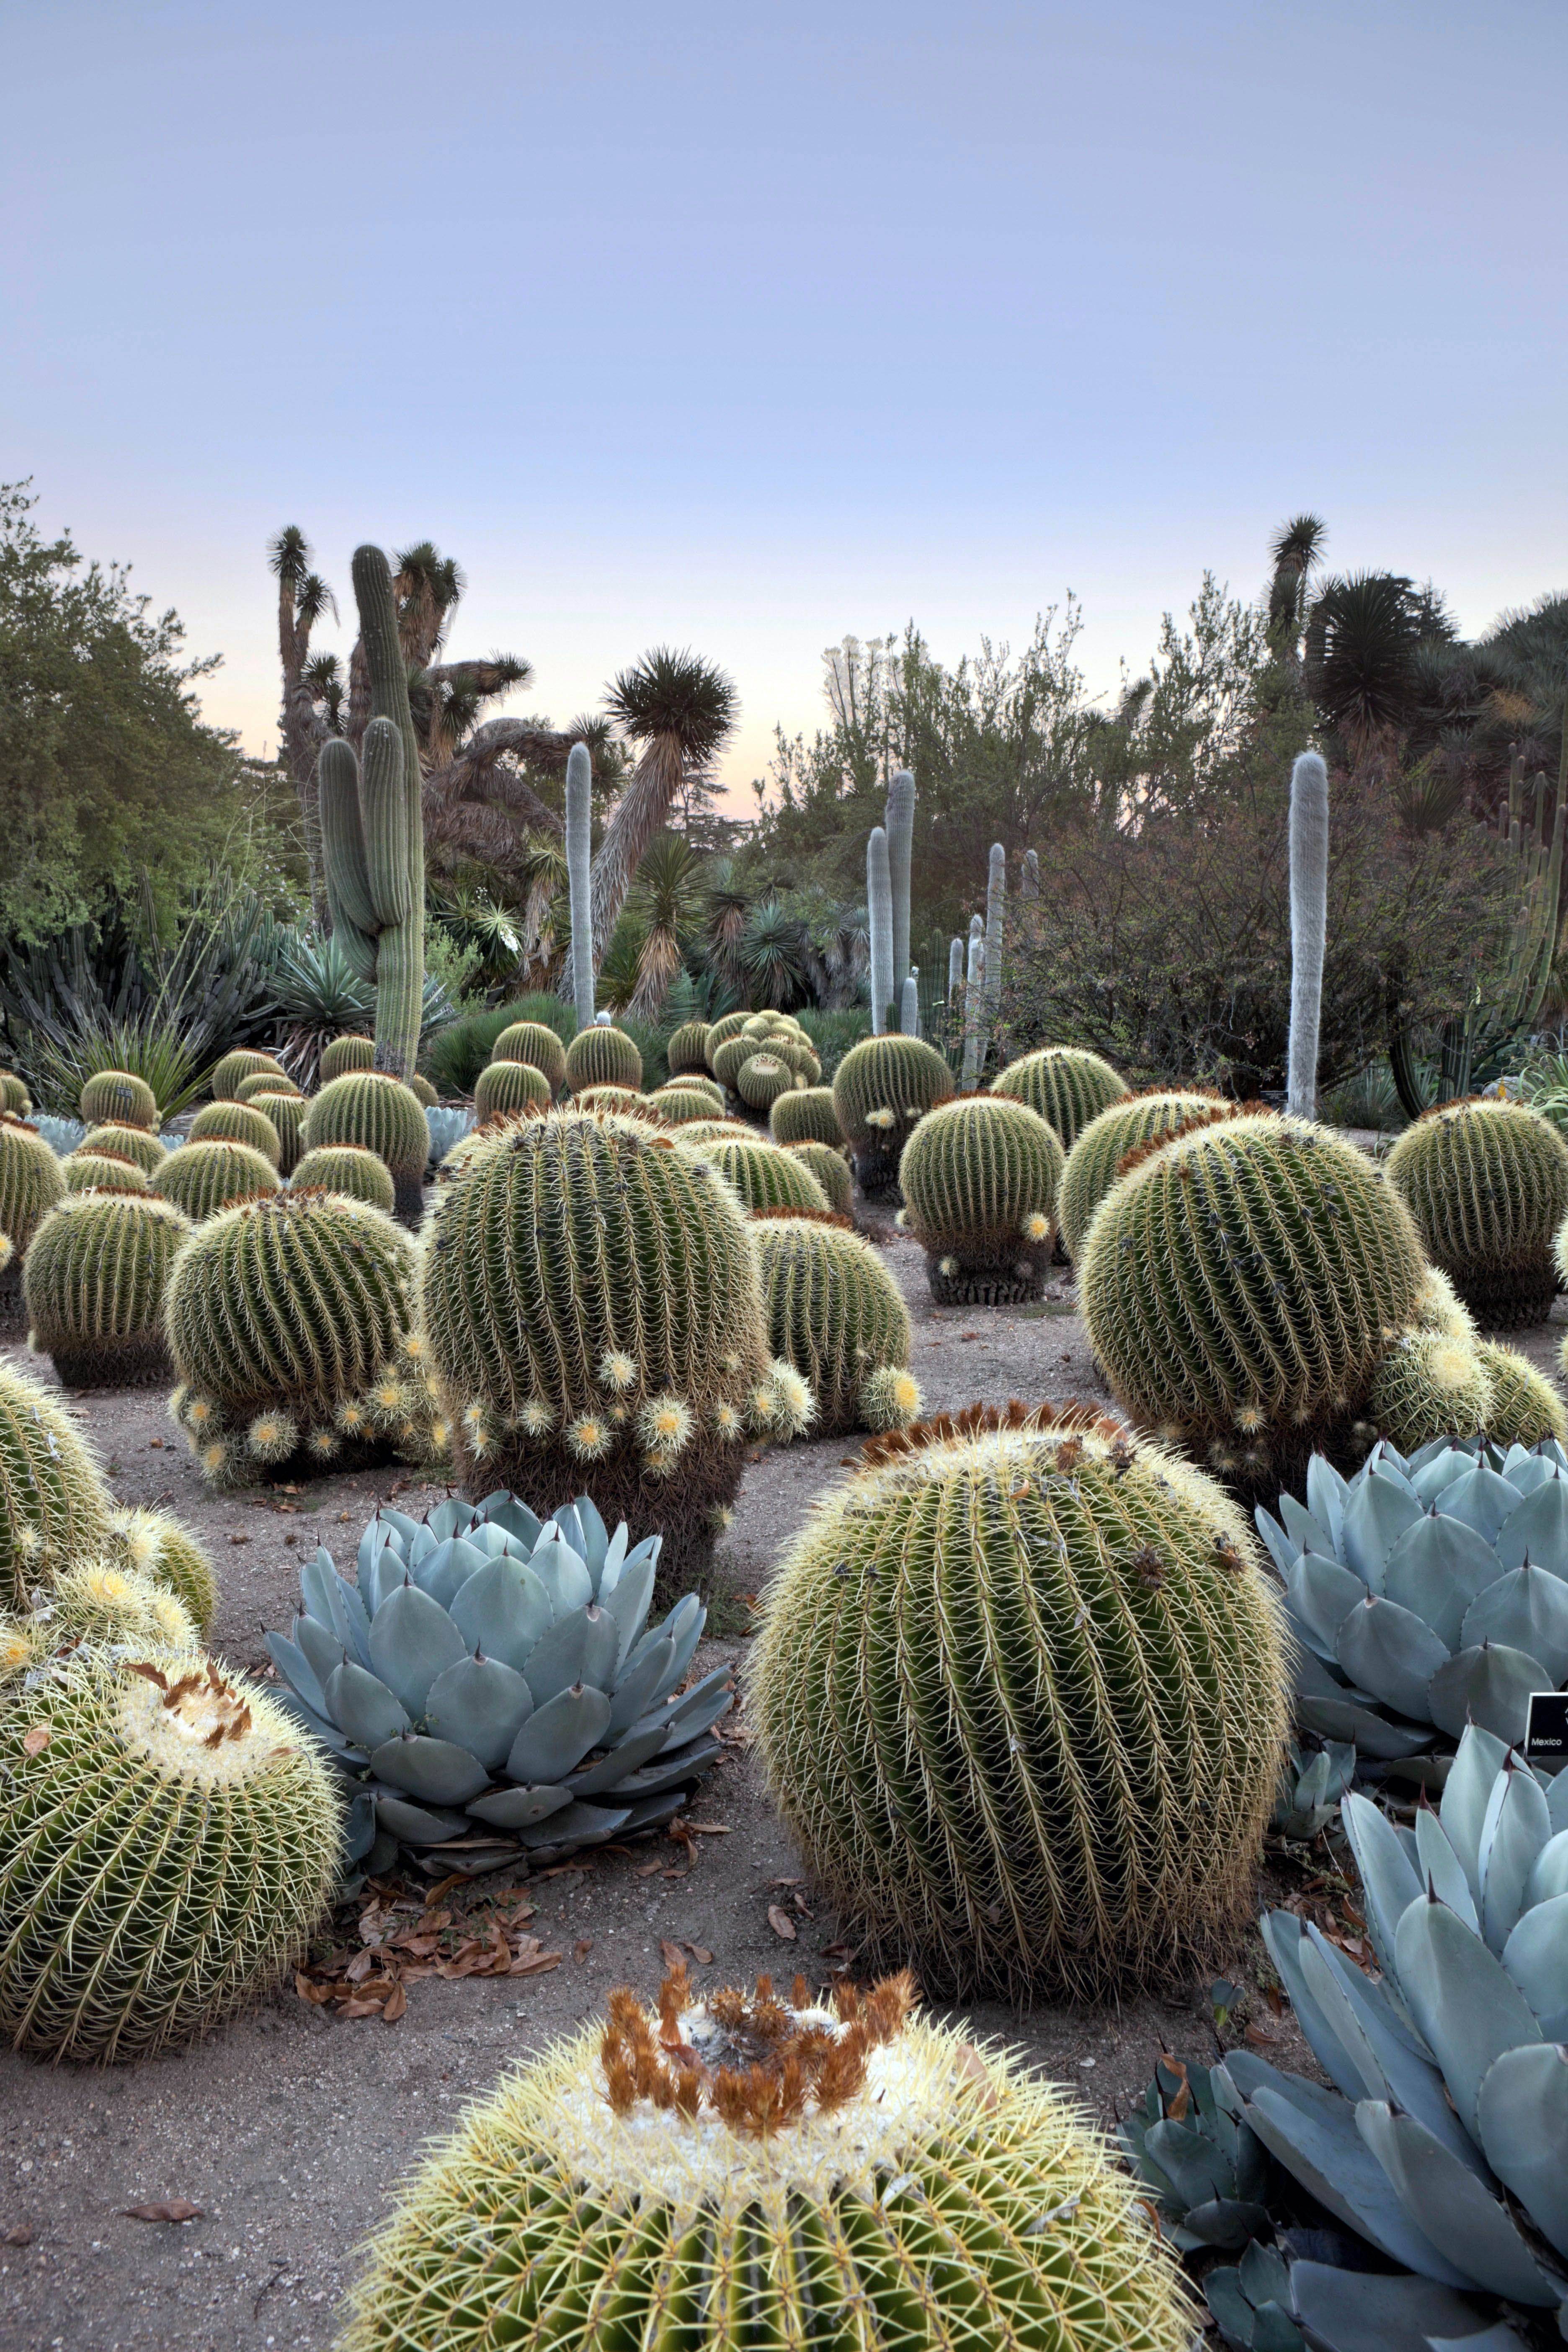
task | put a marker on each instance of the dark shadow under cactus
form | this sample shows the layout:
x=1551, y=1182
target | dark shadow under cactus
x=1510, y=1301
x=688, y=1506
x=139, y=1363
x=12, y=1314
x=1015, y=1277
x=876, y=1174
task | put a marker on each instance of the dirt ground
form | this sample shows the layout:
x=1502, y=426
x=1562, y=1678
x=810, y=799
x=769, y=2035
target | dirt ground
x=293, y=2129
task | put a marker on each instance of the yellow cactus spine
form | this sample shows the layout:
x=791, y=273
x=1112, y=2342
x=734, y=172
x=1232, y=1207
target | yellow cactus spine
x=203, y=1179
x=349, y=1053
x=506, y=1088
x=1066, y=1085
x=835, y=1313
x=118, y=1095
x=881, y=1090
x=54, y=1506
x=533, y=1043
x=1092, y=1161
x=602, y=1057
x=238, y=1122
x=376, y=1111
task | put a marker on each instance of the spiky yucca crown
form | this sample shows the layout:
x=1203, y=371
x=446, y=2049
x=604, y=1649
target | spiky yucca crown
x=53, y=1506
x=152, y=1544
x=883, y=1086
x=238, y=1122
x=267, y=1082
x=204, y=1178
x=683, y=1106
x=346, y=1167
x=806, y=1115
x=644, y=2137
x=764, y=1176
x=835, y=1313
x=1240, y=1284
x=1066, y=1085
x=1093, y=1161
x=980, y=1176
x=761, y=1079
x=1525, y=1407
x=287, y=1114
x=1487, y=1183
x=831, y=1170
x=1020, y=1690
x=342, y=1054
x=603, y=1057
x=95, y=1171
x=106, y=1604
x=535, y=1042
x=95, y=1281
x=504, y=1088
x=688, y=1047
x=148, y=1151
x=376, y=1111
x=243, y=1063
x=118, y=1096
x=30, y=1180
x=167, y=1844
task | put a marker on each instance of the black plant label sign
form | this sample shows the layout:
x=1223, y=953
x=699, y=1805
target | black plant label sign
x=1546, y=1733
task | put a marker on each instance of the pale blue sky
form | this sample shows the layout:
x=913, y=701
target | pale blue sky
x=743, y=330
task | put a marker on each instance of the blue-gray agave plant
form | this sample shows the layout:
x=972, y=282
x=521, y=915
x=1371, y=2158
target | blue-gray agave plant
x=448, y=1123
x=1426, y=1594
x=490, y=1684
x=1209, y=2173
x=1451, y=2074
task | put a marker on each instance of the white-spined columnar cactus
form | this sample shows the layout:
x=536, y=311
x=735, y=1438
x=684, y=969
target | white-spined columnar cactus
x=579, y=845
x=879, y=923
x=899, y=825
x=1308, y=928
x=974, y=1004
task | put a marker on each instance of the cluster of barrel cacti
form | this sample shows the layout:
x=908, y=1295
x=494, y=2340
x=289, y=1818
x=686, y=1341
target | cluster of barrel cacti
x=760, y=1060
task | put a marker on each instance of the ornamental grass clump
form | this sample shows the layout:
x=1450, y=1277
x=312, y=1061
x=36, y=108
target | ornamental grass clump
x=346, y=1167
x=602, y=1057
x=1021, y=1693
x=794, y=2173
x=764, y=1176
x=533, y=1043
x=94, y=1285
x=378, y=1113
x=836, y=1314
x=1066, y=1085
x=167, y=1846
x=980, y=1178
x=506, y=1089
x=54, y=1506
x=881, y=1090
x=118, y=1096
x=1487, y=1183
x=238, y=1122
x=1095, y=1158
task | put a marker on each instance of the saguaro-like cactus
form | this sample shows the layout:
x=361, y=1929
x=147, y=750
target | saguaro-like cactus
x=880, y=917
x=1308, y=928
x=954, y=977
x=974, y=992
x=579, y=840
x=900, y=829
x=372, y=831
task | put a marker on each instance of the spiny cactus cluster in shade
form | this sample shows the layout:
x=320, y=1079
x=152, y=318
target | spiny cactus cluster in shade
x=267, y=1082
x=1525, y=1408
x=238, y=1122
x=204, y=1178
x=1240, y=1284
x=1093, y=1161
x=831, y=1170
x=118, y=1096
x=881, y=1090
x=287, y=1114
x=980, y=1178
x=1487, y=1183
x=506, y=1089
x=243, y=1063
x=764, y=1176
x=1066, y=1085
x=806, y=1115
x=30, y=1184
x=94, y=1284
x=13, y=1095
x=148, y=1151
x=346, y=1167
x=590, y=1297
x=152, y=1544
x=797, y=2174
x=348, y=1053
x=167, y=1846
x=835, y=1313
x=1022, y=1690
x=603, y=1057
x=536, y=1043
x=687, y=1048
x=288, y=1321
x=104, y=1604
x=53, y=1506
x=101, y=1171
x=379, y=1114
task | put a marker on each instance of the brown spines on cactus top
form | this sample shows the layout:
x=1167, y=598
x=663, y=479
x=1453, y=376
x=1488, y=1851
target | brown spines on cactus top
x=1072, y=1419
x=803, y=1217
x=1193, y=1125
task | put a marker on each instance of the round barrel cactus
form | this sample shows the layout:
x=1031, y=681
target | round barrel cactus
x=806, y=1115
x=790, y=2172
x=1525, y=1407
x=536, y=1043
x=30, y=1184
x=1429, y=1385
x=1241, y=1282
x=1093, y=1159
x=980, y=1178
x=590, y=1298
x=625, y=1099
x=688, y=1047
x=204, y=1178
x=764, y=1176
x=1021, y=1692
x=506, y=1089
x=289, y=1323
x=348, y=1053
x=238, y=1122
x=1065, y=1085
x=378, y=1113
x=148, y=1151
x=167, y=1846
x=730, y=1058
x=267, y=1082
x=13, y=1095
x=422, y=1092
x=719, y=1131
x=94, y=1283
x=346, y=1167
x=761, y=1079
x=696, y=1082
x=603, y=1057
x=831, y=1170
x=801, y=1057
x=287, y=1114
x=153, y=1545
x=54, y=1506
x=118, y=1096
x=836, y=1313
x=1487, y=1183
x=101, y=1171
x=880, y=1090
x=103, y=1604
x=682, y=1107
x=719, y=1032
x=243, y=1063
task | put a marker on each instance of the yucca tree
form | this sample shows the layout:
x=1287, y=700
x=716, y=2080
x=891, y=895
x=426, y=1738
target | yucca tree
x=681, y=712
x=1361, y=656
x=667, y=900
x=302, y=598
x=1294, y=552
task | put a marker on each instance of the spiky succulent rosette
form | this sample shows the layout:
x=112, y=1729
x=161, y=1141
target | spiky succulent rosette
x=881, y=1090
x=94, y=1284
x=378, y=1112
x=54, y=1506
x=167, y=1843
x=205, y=1178
x=831, y=1170
x=782, y=2173
x=503, y=1089
x=1487, y=1183
x=980, y=1178
x=603, y=1057
x=346, y=1167
x=1020, y=1690
x=347, y=1053
x=148, y=1151
x=806, y=1115
x=152, y=1544
x=30, y=1184
x=836, y=1314
x=1066, y=1085
x=590, y=1297
x=118, y=1096
x=1094, y=1158
x=764, y=1176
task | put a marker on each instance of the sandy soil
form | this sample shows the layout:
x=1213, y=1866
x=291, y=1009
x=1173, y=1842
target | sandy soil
x=293, y=2129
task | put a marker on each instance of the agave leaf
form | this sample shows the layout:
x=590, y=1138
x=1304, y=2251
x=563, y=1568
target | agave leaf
x=1557, y=1802
x=1515, y=1830
x=1537, y=1528
x=516, y=1809
x=362, y=1704
x=702, y=1705
x=670, y=1770
x=1365, y=2023
x=1265, y=2276
x=627, y=1602
x=1326, y=1493
x=1304, y=1529
x=1435, y=1570
x=1390, y=1650
x=1322, y=1595
x=1526, y=1609
x=350, y=1620
x=1231, y=2309
x=560, y=1568
x=447, y=1567
x=1371, y=1735
x=316, y=1576
x=579, y=1648
x=298, y=1673
x=614, y=1561
x=411, y=1642
x=596, y=1544
x=1500, y=2339
x=414, y=1824
x=559, y=1735
x=1379, y=1510
x=512, y=1516
x=1354, y=2311
x=1193, y=2164
x=1522, y=2116
x=359, y=1829
x=481, y=1705
x=1442, y=1870
x=372, y=1544
x=1460, y=2211
x=628, y=1757
x=686, y=1622
x=1467, y=2006
x=1388, y=1878
x=1227, y=2221
x=575, y=1825
x=1549, y=1871
x=635, y=1692
x=1342, y=2056
x=322, y=1726
x=504, y=1610
x=1281, y=1550
x=1481, y=1499
x=322, y=1648
x=437, y=1771
x=1442, y=1464
x=1490, y=1686
x=405, y=1528
x=1467, y=1793
x=1536, y=1958
x=451, y=1517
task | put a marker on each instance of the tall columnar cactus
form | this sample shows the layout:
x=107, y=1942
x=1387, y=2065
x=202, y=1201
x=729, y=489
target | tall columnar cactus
x=375, y=1111
x=881, y=1088
x=980, y=1178
x=879, y=922
x=954, y=977
x=974, y=1004
x=504, y=1089
x=910, y=1007
x=1066, y=1083
x=654, y=2164
x=289, y=1324
x=590, y=1298
x=996, y=929
x=1308, y=928
x=148, y=1151
x=1029, y=881
x=603, y=1056
x=238, y=1122
x=118, y=1096
x=287, y=1114
x=836, y=1314
x=1093, y=1159
x=1487, y=1183
x=763, y=1174
x=1021, y=1692
x=579, y=879
x=204, y=1178
x=54, y=1506
x=372, y=831
x=900, y=832
x=688, y=1047
x=152, y=1544
x=535, y=1042
x=94, y=1284
x=831, y=1170
x=30, y=1184
x=350, y=1052
x=1239, y=1285
x=167, y=1846
x=245, y=1062
x=101, y=1171
x=346, y=1167
x=806, y=1115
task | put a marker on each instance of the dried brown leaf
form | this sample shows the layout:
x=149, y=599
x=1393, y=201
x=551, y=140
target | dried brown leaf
x=167, y=2208
x=780, y=1923
x=35, y=1741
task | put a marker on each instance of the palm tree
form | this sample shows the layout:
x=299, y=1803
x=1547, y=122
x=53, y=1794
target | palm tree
x=1294, y=552
x=666, y=901
x=1361, y=656
x=681, y=710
